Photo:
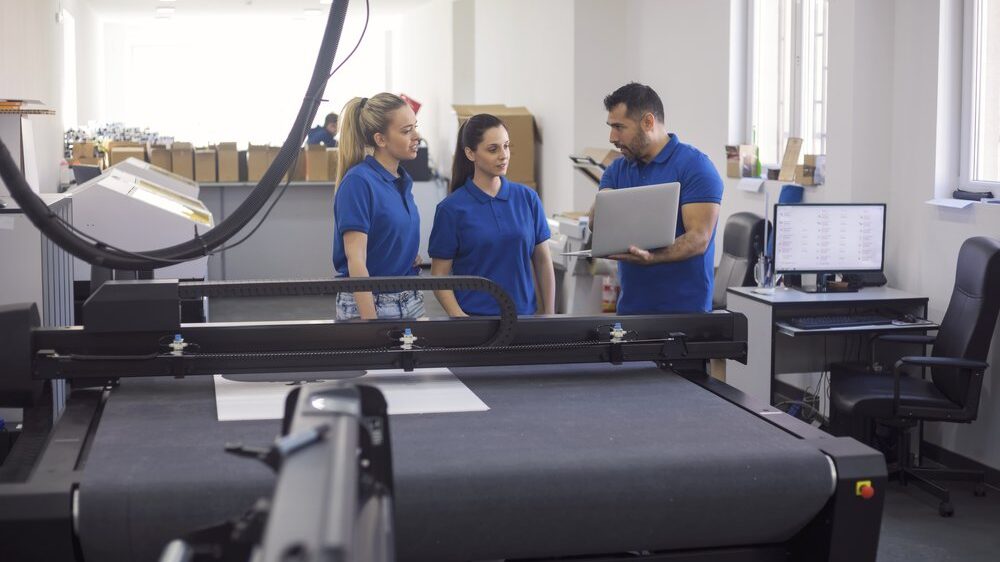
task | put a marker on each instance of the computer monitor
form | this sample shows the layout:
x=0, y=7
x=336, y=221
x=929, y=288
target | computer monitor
x=829, y=238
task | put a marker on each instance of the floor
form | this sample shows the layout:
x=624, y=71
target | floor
x=912, y=530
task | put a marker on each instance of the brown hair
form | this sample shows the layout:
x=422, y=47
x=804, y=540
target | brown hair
x=469, y=136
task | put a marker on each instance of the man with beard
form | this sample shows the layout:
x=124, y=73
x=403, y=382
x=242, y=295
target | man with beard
x=677, y=278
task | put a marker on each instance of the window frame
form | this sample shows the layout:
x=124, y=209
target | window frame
x=797, y=68
x=971, y=27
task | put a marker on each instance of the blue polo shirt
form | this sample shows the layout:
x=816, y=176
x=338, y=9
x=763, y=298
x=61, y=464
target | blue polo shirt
x=370, y=200
x=684, y=286
x=492, y=237
x=319, y=135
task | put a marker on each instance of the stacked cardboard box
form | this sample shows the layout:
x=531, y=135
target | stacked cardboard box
x=523, y=133
x=300, y=166
x=86, y=153
x=182, y=159
x=258, y=160
x=204, y=165
x=813, y=171
x=272, y=155
x=317, y=163
x=228, y=166
x=332, y=162
x=120, y=151
x=159, y=156
x=740, y=160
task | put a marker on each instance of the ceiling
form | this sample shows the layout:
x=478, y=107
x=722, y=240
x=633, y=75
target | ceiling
x=141, y=9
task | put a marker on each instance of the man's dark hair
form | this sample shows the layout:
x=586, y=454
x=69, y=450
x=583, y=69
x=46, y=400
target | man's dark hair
x=331, y=119
x=639, y=99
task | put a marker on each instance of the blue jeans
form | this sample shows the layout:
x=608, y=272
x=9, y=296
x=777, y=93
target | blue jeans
x=408, y=304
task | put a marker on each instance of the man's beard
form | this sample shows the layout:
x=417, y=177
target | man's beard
x=637, y=147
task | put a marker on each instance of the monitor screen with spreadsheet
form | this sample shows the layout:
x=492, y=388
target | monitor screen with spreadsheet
x=829, y=238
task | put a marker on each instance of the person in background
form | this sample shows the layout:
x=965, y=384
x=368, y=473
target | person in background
x=377, y=223
x=491, y=227
x=325, y=134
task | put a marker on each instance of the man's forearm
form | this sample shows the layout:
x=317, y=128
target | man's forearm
x=687, y=245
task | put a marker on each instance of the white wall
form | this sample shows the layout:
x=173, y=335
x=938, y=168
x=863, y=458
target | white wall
x=524, y=57
x=31, y=68
x=422, y=69
x=464, y=51
x=601, y=64
x=89, y=62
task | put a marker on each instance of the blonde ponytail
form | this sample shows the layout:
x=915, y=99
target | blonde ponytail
x=360, y=119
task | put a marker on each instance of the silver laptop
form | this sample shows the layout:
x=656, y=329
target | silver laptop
x=645, y=217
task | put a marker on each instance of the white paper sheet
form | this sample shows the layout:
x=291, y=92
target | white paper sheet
x=750, y=184
x=422, y=391
x=952, y=203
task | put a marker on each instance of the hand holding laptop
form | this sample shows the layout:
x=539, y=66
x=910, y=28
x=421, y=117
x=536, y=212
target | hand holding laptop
x=635, y=255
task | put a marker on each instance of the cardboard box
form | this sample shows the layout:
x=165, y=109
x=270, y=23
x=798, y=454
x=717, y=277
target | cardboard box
x=317, y=163
x=84, y=150
x=272, y=155
x=122, y=153
x=91, y=161
x=228, y=162
x=790, y=160
x=182, y=159
x=733, y=161
x=813, y=170
x=257, y=161
x=204, y=165
x=333, y=160
x=300, y=166
x=741, y=161
x=124, y=144
x=160, y=157
x=523, y=133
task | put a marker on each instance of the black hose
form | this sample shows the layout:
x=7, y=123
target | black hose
x=48, y=223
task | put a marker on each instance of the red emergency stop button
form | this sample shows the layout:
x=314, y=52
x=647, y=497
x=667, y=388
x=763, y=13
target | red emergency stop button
x=864, y=489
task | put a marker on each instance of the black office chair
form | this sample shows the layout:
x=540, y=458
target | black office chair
x=742, y=241
x=957, y=364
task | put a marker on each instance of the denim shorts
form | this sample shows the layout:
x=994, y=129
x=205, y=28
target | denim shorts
x=408, y=304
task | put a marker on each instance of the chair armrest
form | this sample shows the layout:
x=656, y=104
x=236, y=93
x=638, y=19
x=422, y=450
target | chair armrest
x=908, y=338
x=941, y=362
x=922, y=339
x=923, y=361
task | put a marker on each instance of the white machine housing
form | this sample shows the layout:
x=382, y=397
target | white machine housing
x=141, y=208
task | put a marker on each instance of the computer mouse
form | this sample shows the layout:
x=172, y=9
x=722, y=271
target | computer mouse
x=2, y=205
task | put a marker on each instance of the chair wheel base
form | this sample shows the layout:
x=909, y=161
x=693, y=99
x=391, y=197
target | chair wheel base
x=945, y=509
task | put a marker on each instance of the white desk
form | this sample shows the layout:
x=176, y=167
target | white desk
x=782, y=361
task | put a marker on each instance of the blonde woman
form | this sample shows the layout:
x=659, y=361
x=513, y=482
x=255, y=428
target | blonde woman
x=377, y=223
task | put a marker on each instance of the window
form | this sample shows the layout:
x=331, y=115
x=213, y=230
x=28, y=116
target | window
x=980, y=169
x=788, y=75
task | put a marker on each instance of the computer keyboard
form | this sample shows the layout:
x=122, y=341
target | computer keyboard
x=825, y=322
